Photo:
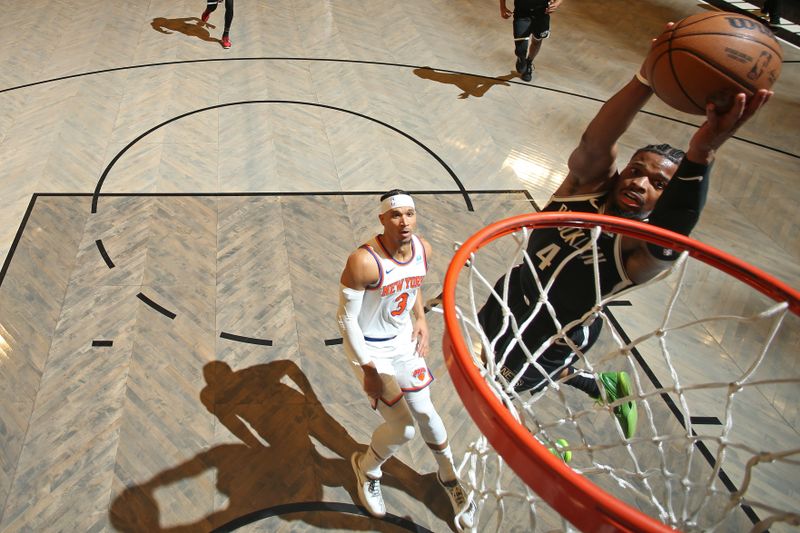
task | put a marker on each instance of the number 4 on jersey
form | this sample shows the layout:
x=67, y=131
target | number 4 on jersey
x=547, y=254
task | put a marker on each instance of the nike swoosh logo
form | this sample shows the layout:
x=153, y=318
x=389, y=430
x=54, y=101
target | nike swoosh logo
x=389, y=271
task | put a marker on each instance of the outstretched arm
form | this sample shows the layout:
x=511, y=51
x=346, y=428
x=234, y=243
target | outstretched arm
x=593, y=162
x=719, y=128
x=678, y=209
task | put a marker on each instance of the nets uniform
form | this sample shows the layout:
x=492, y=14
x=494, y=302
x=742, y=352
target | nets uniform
x=555, y=252
x=385, y=320
x=531, y=18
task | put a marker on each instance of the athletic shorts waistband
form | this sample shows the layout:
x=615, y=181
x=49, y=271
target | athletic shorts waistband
x=375, y=339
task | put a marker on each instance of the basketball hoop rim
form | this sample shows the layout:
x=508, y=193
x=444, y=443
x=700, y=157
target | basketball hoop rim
x=571, y=494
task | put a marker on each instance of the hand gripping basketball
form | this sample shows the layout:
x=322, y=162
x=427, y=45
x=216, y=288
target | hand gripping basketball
x=710, y=58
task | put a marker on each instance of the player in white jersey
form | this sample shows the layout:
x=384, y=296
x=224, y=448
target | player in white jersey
x=381, y=286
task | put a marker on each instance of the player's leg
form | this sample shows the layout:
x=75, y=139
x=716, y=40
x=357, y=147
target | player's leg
x=522, y=33
x=396, y=430
x=491, y=316
x=497, y=326
x=435, y=436
x=615, y=385
x=772, y=7
x=211, y=6
x=540, y=30
x=226, y=40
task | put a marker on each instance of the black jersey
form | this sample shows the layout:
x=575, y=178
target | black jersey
x=553, y=252
x=527, y=8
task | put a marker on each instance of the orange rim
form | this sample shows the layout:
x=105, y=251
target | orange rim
x=576, y=498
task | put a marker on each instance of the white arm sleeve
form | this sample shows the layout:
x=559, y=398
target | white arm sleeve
x=347, y=317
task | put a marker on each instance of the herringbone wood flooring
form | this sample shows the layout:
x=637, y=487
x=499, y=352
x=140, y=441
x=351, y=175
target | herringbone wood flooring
x=243, y=178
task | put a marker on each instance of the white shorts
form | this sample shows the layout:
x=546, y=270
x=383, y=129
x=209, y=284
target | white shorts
x=401, y=369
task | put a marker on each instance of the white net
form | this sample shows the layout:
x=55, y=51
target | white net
x=714, y=370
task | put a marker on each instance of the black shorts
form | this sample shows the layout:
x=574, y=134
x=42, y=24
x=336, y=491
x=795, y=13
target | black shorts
x=554, y=359
x=536, y=24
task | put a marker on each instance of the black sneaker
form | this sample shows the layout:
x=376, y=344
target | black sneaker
x=528, y=74
x=520, y=65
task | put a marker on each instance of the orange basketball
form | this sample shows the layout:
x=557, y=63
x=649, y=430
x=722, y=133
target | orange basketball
x=710, y=57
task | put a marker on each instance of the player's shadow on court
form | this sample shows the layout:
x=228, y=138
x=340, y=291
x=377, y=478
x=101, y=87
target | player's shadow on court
x=470, y=85
x=275, y=413
x=189, y=26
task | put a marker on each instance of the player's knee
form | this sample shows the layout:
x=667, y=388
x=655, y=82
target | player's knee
x=403, y=433
x=403, y=429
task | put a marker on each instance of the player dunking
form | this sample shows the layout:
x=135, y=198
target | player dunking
x=661, y=185
x=211, y=6
x=381, y=286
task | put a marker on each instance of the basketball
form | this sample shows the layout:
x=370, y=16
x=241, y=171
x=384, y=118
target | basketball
x=710, y=57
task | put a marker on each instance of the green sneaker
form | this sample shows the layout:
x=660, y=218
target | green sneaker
x=559, y=451
x=618, y=385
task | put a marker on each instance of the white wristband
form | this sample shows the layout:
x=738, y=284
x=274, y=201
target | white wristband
x=642, y=79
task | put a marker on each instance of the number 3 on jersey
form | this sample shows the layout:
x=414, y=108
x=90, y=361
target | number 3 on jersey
x=547, y=254
x=401, y=302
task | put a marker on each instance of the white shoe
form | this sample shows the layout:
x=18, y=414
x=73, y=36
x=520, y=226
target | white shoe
x=369, y=490
x=463, y=508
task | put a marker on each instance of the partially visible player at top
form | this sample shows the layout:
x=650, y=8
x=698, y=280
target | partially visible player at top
x=660, y=185
x=211, y=6
x=531, y=23
x=381, y=287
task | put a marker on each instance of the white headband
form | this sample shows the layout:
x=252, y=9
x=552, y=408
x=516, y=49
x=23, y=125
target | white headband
x=398, y=200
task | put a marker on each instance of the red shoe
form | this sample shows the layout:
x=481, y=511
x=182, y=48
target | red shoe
x=226, y=42
x=205, y=15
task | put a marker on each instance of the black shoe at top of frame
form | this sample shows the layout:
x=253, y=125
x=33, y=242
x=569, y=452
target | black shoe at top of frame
x=520, y=66
x=528, y=74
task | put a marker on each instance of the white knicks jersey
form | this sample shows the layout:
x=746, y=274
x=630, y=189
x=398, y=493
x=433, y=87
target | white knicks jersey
x=386, y=308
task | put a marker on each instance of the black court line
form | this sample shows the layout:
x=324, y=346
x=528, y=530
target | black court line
x=527, y=194
x=164, y=311
x=619, y=303
x=17, y=238
x=35, y=196
x=308, y=507
x=334, y=342
x=706, y=421
x=280, y=102
x=377, y=63
x=461, y=191
x=701, y=446
x=432, y=192
x=102, y=343
x=248, y=340
x=102, y=250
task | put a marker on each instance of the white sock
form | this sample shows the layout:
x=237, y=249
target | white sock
x=371, y=464
x=447, y=471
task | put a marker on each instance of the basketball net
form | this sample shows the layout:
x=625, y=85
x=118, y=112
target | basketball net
x=714, y=375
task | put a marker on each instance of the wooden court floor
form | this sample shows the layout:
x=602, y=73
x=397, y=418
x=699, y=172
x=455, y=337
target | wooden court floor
x=175, y=217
